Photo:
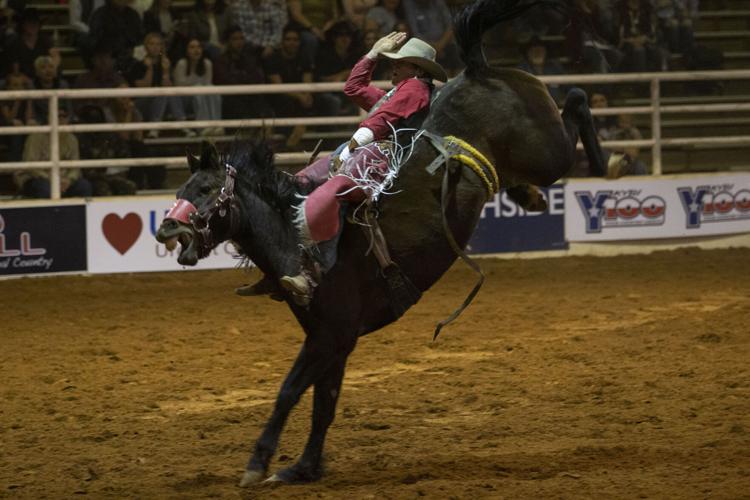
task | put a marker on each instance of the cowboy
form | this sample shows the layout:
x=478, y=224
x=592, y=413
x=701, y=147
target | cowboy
x=405, y=105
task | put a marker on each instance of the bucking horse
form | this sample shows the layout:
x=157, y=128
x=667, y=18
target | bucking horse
x=500, y=117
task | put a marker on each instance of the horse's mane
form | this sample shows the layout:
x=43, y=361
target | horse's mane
x=253, y=159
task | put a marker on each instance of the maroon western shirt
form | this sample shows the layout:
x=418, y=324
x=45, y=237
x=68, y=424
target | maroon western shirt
x=410, y=96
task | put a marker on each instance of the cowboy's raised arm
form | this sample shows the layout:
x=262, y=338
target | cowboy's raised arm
x=357, y=87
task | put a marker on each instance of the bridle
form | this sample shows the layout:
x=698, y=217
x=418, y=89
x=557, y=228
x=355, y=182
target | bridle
x=185, y=212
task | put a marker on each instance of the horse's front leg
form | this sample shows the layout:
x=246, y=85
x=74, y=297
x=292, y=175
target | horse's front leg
x=327, y=389
x=308, y=367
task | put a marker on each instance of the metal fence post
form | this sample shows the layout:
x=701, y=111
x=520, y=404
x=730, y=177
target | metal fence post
x=54, y=148
x=656, y=127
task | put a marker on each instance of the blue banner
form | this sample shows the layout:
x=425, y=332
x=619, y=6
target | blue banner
x=42, y=239
x=506, y=227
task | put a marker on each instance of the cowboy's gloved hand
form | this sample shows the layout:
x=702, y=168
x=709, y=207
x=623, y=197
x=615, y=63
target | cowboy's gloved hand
x=362, y=136
x=345, y=154
x=388, y=43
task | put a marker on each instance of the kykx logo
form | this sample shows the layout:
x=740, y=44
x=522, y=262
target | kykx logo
x=624, y=208
x=717, y=203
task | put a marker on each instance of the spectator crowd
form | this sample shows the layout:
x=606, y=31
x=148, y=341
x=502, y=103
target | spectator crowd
x=137, y=43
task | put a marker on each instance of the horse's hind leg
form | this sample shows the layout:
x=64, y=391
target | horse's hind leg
x=310, y=467
x=308, y=367
x=576, y=116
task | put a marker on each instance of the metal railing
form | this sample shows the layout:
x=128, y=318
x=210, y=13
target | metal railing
x=655, y=109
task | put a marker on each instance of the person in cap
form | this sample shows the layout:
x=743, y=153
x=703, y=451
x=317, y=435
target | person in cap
x=404, y=106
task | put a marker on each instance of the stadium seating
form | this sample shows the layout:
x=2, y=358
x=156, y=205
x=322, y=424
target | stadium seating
x=723, y=25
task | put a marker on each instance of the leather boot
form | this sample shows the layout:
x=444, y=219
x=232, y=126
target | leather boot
x=303, y=284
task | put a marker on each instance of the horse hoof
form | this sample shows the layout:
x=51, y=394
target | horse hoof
x=538, y=205
x=250, y=477
x=273, y=479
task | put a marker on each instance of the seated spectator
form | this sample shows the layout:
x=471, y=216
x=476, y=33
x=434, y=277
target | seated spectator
x=197, y=70
x=239, y=65
x=35, y=183
x=130, y=145
x=536, y=62
x=161, y=18
x=12, y=8
x=288, y=65
x=154, y=71
x=624, y=130
x=384, y=16
x=102, y=75
x=355, y=12
x=632, y=165
x=80, y=13
x=312, y=19
x=591, y=38
x=208, y=23
x=17, y=112
x=604, y=124
x=262, y=22
x=334, y=63
x=431, y=21
x=541, y=21
x=382, y=70
x=108, y=181
x=675, y=23
x=47, y=79
x=638, y=38
x=403, y=27
x=7, y=34
x=621, y=161
x=29, y=44
x=118, y=26
x=140, y=6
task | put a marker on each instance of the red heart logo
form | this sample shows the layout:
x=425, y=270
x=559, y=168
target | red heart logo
x=122, y=232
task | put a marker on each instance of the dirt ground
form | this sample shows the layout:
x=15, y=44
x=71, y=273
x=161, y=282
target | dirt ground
x=622, y=377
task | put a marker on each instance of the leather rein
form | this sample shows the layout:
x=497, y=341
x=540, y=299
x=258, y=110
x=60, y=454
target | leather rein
x=185, y=212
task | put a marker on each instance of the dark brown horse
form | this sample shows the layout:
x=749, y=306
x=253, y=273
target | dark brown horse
x=506, y=114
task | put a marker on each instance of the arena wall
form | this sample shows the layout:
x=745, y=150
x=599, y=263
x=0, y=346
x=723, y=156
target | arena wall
x=584, y=217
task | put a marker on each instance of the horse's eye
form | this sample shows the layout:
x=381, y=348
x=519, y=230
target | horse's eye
x=205, y=189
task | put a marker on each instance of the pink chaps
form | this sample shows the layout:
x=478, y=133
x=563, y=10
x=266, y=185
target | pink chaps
x=322, y=207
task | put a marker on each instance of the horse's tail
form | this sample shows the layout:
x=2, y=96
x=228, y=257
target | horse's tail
x=478, y=17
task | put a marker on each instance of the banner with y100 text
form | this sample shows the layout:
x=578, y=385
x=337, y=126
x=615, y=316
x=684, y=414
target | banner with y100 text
x=506, y=227
x=36, y=239
x=121, y=238
x=647, y=208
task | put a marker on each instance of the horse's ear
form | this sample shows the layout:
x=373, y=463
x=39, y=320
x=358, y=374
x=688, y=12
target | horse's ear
x=193, y=162
x=209, y=156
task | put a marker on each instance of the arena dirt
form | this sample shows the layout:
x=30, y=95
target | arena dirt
x=567, y=378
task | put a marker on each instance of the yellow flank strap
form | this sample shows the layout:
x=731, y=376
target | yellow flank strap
x=472, y=164
x=492, y=185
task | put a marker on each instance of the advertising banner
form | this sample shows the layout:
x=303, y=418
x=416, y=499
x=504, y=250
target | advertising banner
x=644, y=208
x=121, y=238
x=506, y=227
x=42, y=239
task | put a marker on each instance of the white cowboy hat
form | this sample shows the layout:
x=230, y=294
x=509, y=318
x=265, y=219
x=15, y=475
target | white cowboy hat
x=421, y=54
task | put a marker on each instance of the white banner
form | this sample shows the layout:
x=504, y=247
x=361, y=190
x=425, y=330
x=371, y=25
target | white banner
x=646, y=208
x=120, y=238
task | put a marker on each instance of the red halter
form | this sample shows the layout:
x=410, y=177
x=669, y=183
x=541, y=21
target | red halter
x=185, y=212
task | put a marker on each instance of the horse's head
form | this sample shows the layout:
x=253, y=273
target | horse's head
x=200, y=218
